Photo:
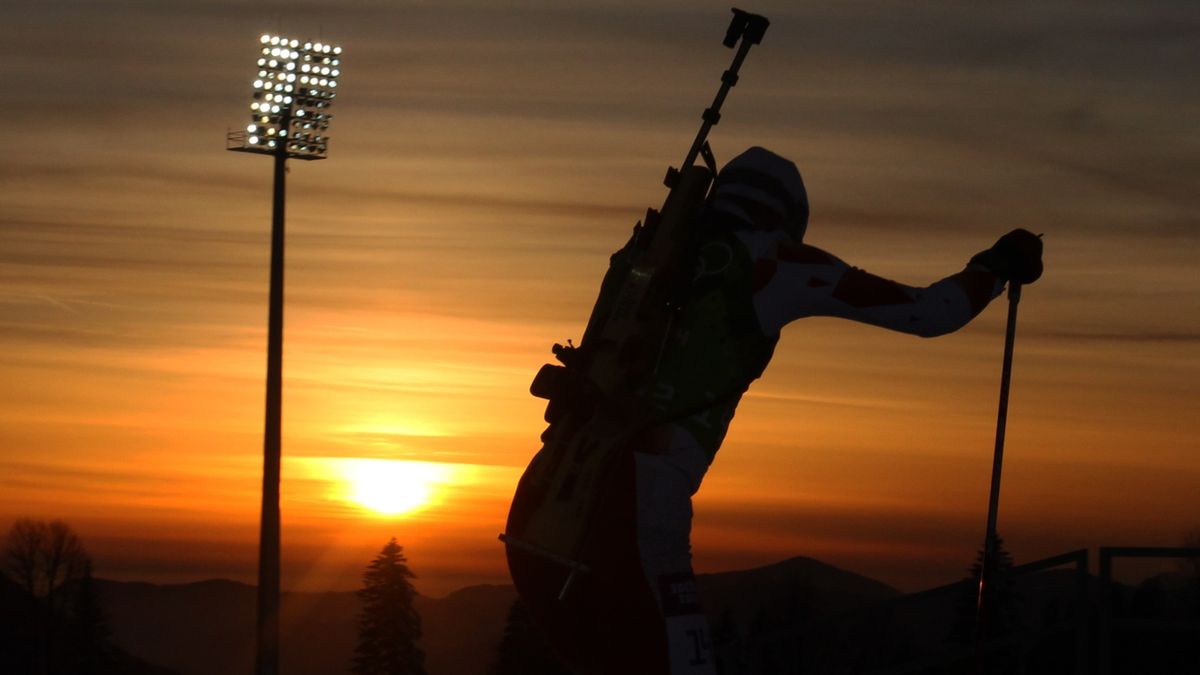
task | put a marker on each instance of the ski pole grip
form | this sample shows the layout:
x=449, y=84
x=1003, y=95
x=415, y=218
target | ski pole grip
x=747, y=26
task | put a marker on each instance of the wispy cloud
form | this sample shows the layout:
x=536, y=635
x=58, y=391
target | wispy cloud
x=1150, y=337
x=486, y=159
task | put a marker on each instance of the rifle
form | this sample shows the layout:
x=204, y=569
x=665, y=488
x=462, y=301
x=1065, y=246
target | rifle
x=598, y=398
x=631, y=319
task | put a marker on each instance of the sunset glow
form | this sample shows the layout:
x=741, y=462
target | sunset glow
x=488, y=159
x=385, y=487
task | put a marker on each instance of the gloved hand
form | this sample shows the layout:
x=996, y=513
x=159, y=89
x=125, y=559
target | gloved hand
x=1016, y=257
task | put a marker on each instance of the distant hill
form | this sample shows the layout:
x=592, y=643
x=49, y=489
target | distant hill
x=799, y=615
x=17, y=607
x=786, y=593
x=202, y=627
x=207, y=628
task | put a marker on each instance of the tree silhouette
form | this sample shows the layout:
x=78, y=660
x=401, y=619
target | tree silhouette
x=53, y=602
x=1002, y=616
x=388, y=626
x=1001, y=600
x=524, y=649
x=41, y=557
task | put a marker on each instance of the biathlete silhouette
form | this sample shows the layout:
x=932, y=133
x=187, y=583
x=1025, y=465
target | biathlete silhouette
x=687, y=318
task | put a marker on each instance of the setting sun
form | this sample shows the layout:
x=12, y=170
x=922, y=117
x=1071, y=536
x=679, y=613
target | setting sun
x=487, y=161
x=390, y=487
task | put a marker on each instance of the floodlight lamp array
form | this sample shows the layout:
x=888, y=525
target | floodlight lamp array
x=294, y=87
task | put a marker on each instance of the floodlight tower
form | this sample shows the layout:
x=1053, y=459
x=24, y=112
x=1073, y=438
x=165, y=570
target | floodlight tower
x=289, y=118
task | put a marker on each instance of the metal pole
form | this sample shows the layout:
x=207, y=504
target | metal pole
x=982, y=605
x=267, y=642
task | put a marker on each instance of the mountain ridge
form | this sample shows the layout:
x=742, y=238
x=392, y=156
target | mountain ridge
x=207, y=627
x=796, y=615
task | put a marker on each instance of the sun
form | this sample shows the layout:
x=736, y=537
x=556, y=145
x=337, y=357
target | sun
x=392, y=487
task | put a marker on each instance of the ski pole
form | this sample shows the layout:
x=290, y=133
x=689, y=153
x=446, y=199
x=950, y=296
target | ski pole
x=982, y=605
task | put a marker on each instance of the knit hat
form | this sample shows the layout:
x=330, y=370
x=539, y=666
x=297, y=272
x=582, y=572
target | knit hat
x=764, y=191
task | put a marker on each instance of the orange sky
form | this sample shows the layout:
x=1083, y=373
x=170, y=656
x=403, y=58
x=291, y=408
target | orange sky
x=485, y=160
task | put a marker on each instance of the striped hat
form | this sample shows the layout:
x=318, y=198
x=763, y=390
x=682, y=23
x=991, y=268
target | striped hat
x=764, y=191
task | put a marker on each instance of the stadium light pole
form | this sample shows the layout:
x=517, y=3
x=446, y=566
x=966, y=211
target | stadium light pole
x=289, y=119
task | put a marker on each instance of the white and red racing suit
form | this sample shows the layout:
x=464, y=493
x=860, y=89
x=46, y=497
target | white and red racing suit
x=638, y=610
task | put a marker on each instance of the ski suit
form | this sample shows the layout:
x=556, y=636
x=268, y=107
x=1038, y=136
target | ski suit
x=638, y=611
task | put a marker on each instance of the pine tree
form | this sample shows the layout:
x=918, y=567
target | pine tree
x=1003, y=607
x=388, y=626
x=1003, y=602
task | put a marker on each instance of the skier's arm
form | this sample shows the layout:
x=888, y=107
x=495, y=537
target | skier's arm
x=801, y=280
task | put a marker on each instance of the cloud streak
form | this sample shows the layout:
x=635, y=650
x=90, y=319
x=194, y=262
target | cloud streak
x=486, y=160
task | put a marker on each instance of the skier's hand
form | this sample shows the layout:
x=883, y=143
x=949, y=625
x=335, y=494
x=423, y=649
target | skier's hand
x=1016, y=257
